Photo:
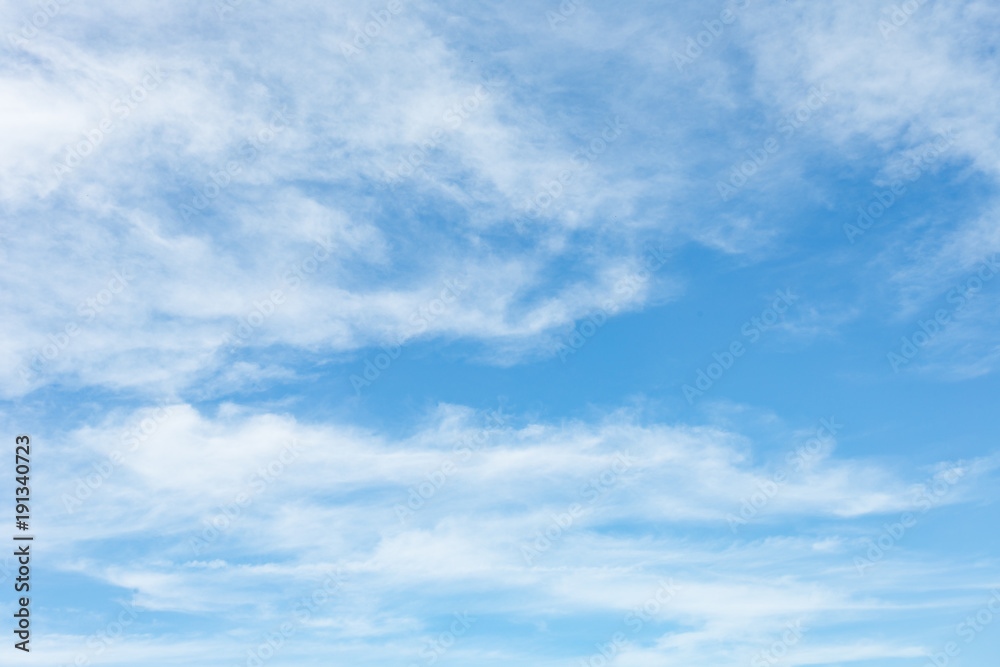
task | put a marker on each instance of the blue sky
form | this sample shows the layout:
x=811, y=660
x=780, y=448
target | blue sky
x=544, y=334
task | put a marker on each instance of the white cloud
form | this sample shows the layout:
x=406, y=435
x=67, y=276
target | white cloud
x=333, y=501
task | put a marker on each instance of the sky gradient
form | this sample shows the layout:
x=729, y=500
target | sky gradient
x=458, y=333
